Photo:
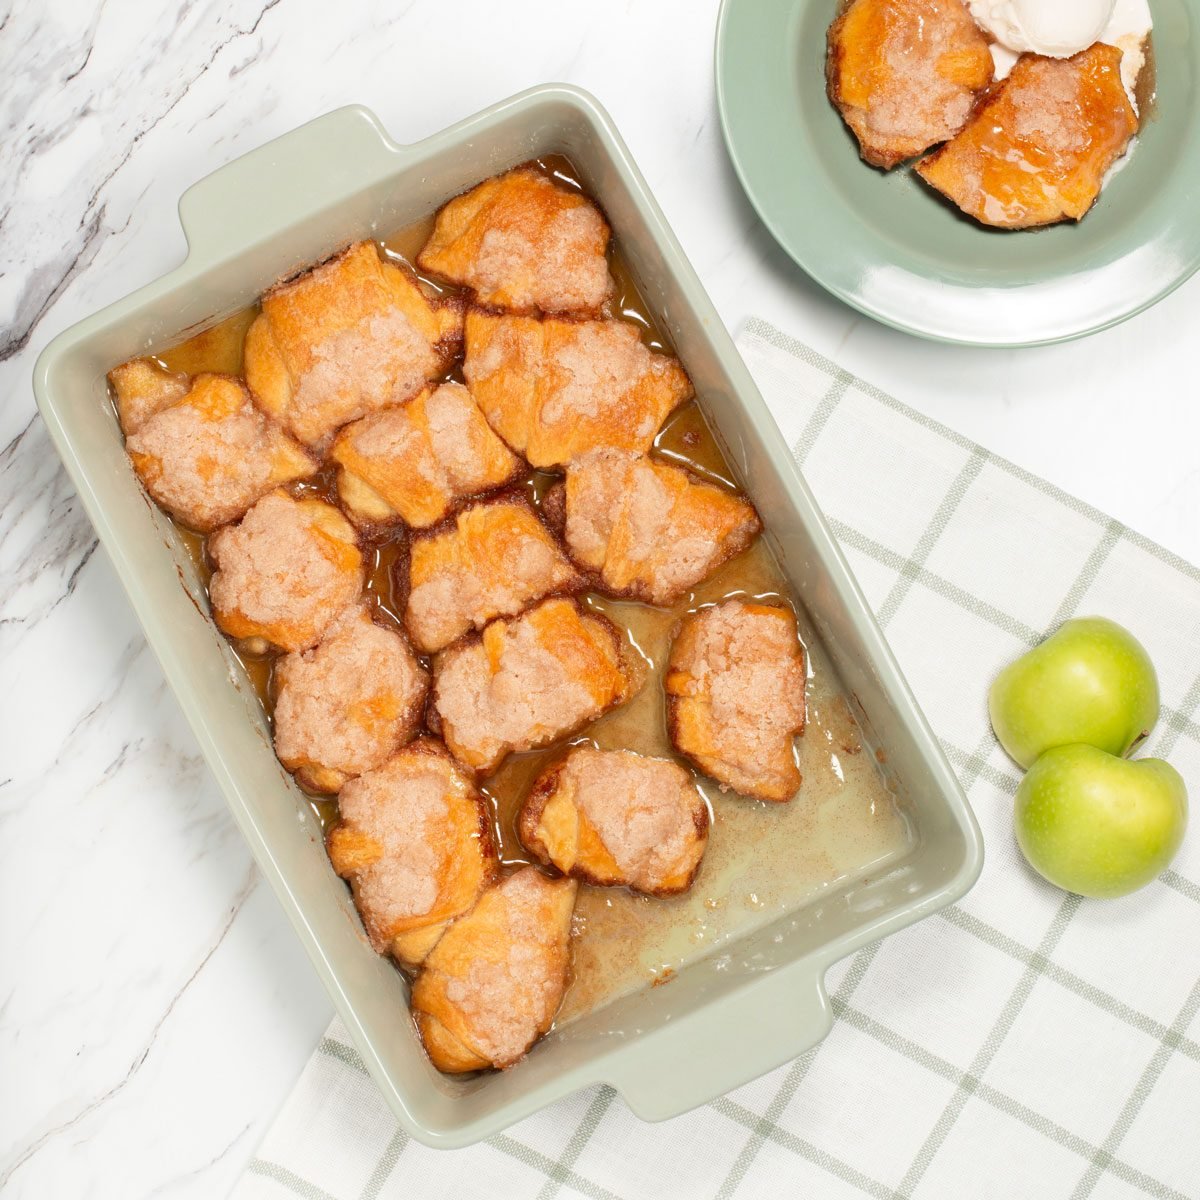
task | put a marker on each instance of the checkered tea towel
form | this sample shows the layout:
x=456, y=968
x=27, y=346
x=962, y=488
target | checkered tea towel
x=1025, y=1044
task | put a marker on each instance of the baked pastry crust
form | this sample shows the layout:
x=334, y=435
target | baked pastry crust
x=414, y=838
x=416, y=461
x=905, y=74
x=345, y=339
x=494, y=559
x=613, y=817
x=202, y=449
x=735, y=696
x=647, y=530
x=142, y=388
x=1038, y=146
x=527, y=681
x=346, y=705
x=491, y=986
x=521, y=242
x=285, y=573
x=553, y=389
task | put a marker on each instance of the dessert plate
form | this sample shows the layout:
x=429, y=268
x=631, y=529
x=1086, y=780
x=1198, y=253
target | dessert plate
x=889, y=246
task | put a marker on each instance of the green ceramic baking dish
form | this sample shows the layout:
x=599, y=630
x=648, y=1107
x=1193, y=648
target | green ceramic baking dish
x=724, y=1019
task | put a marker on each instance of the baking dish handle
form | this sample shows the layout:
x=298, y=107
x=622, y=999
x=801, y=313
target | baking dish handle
x=720, y=1046
x=285, y=182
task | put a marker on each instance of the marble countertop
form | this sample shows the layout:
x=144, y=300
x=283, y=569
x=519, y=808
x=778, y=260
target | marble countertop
x=154, y=1006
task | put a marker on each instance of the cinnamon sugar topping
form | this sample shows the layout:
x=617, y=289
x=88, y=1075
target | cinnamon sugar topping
x=285, y=572
x=345, y=706
x=496, y=560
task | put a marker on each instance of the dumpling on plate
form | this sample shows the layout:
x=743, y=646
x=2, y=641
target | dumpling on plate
x=905, y=74
x=285, y=573
x=522, y=242
x=344, y=706
x=735, y=696
x=613, y=817
x=491, y=986
x=414, y=839
x=1037, y=149
x=202, y=449
x=524, y=682
x=415, y=461
x=646, y=529
x=495, y=559
x=554, y=389
x=347, y=338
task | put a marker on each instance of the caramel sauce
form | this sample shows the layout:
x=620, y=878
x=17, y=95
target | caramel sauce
x=762, y=859
x=1145, y=91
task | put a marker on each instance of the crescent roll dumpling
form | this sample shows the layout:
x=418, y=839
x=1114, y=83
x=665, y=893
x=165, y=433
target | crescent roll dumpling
x=905, y=74
x=554, y=389
x=417, y=460
x=344, y=339
x=414, y=839
x=492, y=985
x=141, y=388
x=525, y=682
x=735, y=696
x=495, y=559
x=614, y=817
x=343, y=707
x=649, y=530
x=521, y=242
x=285, y=573
x=202, y=449
x=1037, y=149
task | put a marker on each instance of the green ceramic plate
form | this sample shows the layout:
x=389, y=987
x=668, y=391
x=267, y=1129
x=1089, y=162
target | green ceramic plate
x=887, y=245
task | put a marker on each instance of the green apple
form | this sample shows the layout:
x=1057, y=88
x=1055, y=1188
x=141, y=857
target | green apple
x=1090, y=682
x=1100, y=825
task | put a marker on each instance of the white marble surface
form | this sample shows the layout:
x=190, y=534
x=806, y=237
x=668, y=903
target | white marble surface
x=154, y=1006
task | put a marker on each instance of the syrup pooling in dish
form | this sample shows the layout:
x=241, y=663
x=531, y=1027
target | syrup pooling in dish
x=761, y=860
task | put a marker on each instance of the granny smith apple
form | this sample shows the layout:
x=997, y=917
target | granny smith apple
x=1097, y=824
x=1090, y=682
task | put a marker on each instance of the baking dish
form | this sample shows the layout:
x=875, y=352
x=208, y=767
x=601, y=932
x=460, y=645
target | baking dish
x=724, y=1019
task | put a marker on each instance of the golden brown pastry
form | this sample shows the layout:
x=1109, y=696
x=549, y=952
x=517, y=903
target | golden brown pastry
x=141, y=388
x=205, y=453
x=1037, y=148
x=905, y=74
x=735, y=696
x=492, y=985
x=494, y=560
x=345, y=339
x=521, y=242
x=415, y=461
x=553, y=389
x=646, y=529
x=285, y=573
x=612, y=817
x=414, y=839
x=525, y=682
x=345, y=706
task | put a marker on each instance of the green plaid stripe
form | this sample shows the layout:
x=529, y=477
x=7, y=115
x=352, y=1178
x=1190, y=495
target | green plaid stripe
x=557, y=1171
x=288, y=1179
x=911, y=573
x=757, y=327
x=968, y=1084
x=766, y=1126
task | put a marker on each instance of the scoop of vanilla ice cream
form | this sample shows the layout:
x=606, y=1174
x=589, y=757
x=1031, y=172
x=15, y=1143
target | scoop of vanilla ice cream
x=1060, y=28
x=1048, y=27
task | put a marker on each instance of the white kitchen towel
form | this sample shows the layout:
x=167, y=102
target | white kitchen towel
x=1024, y=1044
